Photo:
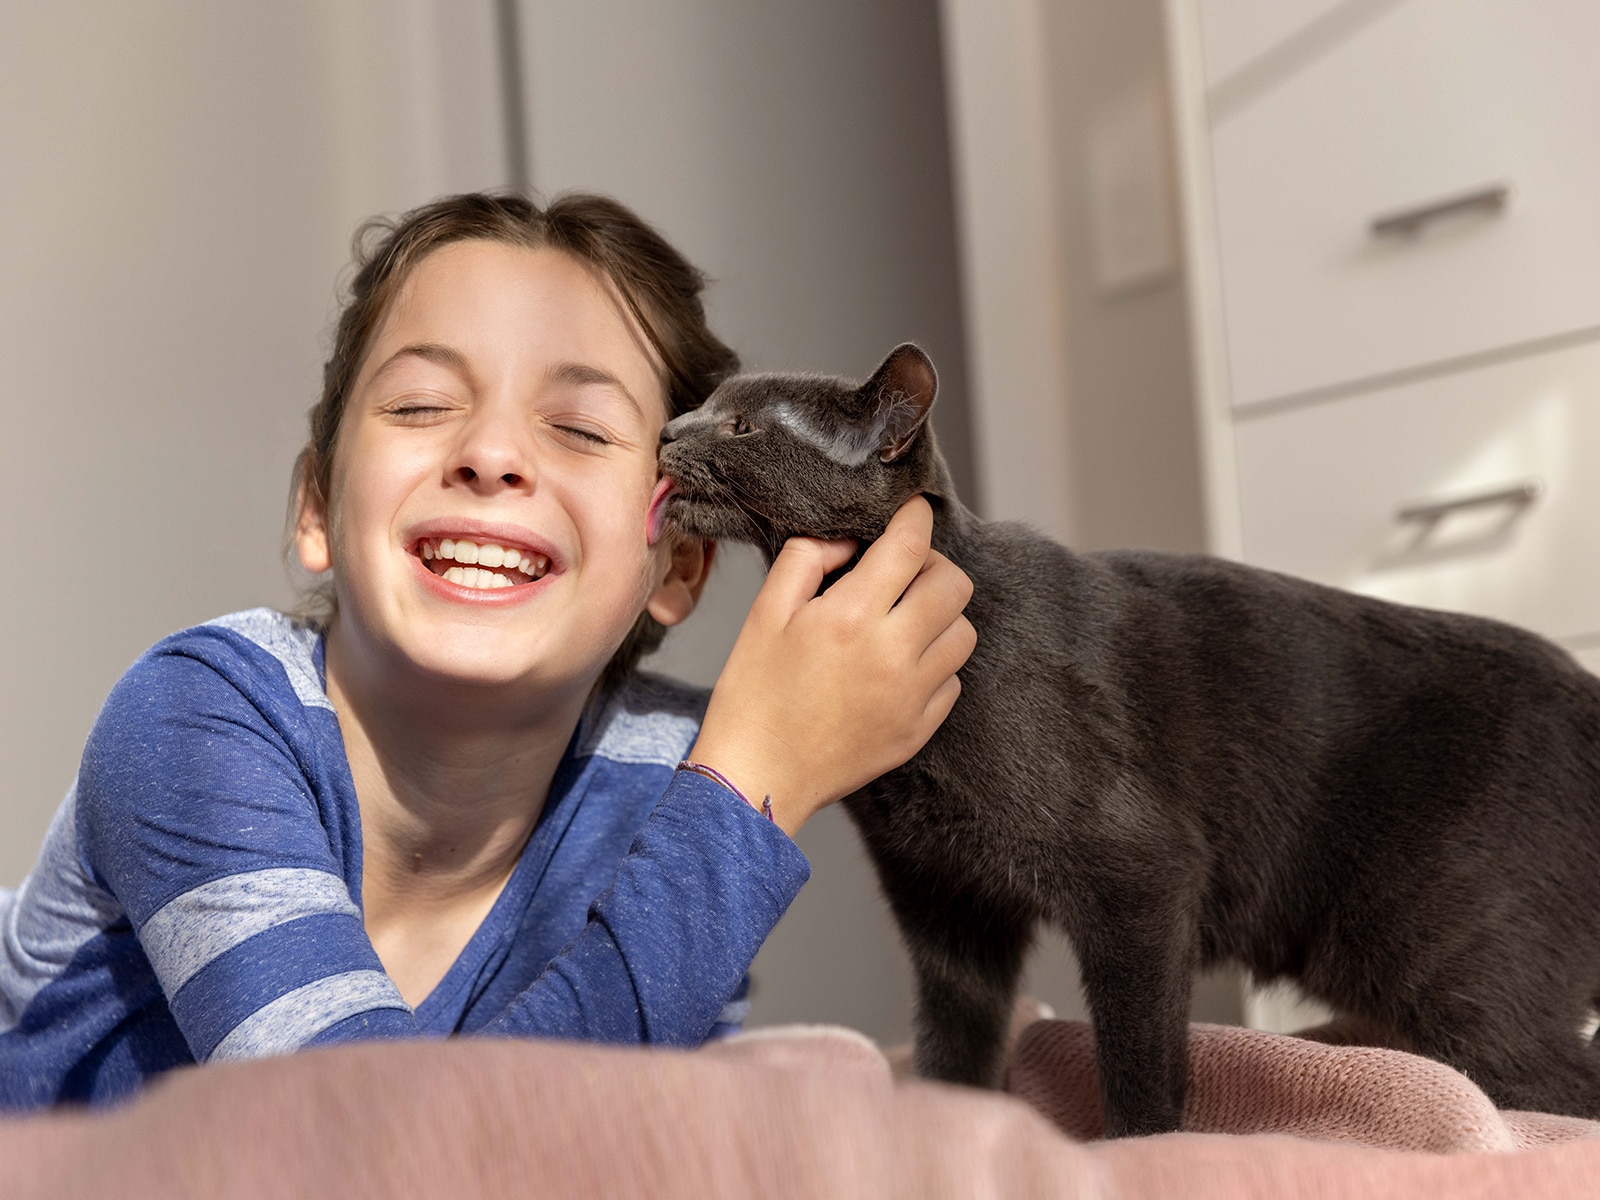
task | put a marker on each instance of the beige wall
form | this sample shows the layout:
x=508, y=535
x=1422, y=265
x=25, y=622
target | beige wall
x=178, y=186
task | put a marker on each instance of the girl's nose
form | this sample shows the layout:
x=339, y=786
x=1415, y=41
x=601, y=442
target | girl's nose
x=466, y=474
x=490, y=456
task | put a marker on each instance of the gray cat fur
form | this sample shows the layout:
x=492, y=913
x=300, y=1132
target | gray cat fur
x=1182, y=761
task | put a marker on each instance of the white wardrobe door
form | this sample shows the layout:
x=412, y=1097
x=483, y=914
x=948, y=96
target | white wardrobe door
x=1476, y=492
x=1437, y=100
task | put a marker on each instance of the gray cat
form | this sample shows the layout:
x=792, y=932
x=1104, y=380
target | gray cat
x=1182, y=761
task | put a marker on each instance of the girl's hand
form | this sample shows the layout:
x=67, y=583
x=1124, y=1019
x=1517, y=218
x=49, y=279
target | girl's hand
x=823, y=694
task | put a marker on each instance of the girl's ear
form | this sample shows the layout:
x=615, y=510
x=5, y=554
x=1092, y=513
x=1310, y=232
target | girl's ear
x=679, y=591
x=311, y=532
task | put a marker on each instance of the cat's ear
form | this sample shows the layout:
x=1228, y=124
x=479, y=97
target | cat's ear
x=899, y=396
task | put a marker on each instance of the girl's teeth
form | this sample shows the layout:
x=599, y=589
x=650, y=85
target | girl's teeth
x=476, y=559
x=480, y=578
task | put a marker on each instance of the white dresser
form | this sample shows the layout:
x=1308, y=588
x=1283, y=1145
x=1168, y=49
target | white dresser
x=1391, y=212
x=1392, y=219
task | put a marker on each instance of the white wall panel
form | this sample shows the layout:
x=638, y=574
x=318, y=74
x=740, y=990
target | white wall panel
x=178, y=186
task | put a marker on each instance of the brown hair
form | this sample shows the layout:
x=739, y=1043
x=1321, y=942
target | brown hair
x=660, y=287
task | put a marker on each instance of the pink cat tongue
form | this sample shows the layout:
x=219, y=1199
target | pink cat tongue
x=652, y=521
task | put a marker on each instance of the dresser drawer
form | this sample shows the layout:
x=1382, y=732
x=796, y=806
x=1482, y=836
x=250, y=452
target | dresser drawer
x=1355, y=492
x=1432, y=100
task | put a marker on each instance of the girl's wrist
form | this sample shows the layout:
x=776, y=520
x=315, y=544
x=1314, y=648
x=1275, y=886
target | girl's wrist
x=717, y=776
x=754, y=782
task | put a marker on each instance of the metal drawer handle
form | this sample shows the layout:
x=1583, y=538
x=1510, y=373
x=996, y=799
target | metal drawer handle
x=1518, y=496
x=1410, y=222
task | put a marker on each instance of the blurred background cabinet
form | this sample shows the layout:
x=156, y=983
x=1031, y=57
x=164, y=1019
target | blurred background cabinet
x=1393, y=271
x=1394, y=275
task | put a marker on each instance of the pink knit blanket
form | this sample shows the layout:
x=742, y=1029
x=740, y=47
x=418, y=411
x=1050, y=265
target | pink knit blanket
x=792, y=1113
x=1243, y=1081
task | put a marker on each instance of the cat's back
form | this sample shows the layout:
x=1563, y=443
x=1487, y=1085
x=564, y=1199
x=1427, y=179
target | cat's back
x=1252, y=611
x=1109, y=606
x=1224, y=664
x=1269, y=694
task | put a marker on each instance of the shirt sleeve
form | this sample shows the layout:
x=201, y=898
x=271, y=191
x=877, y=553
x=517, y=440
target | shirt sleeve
x=196, y=812
x=668, y=944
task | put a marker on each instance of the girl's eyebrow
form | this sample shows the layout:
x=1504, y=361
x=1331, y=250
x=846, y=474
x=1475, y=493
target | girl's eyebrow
x=584, y=375
x=434, y=352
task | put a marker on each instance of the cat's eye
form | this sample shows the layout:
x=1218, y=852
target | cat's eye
x=736, y=426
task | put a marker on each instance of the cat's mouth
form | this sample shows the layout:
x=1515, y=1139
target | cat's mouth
x=676, y=507
x=677, y=510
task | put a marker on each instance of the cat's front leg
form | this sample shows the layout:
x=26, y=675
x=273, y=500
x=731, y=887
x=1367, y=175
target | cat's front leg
x=1136, y=954
x=968, y=959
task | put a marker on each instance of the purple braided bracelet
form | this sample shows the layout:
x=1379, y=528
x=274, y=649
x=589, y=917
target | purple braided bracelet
x=717, y=776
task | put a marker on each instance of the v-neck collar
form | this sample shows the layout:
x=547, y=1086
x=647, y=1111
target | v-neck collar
x=441, y=1012
x=443, y=1009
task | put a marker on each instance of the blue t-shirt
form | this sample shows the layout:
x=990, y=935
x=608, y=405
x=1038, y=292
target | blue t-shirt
x=198, y=896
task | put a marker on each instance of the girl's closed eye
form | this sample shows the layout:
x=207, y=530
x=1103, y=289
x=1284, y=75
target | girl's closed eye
x=584, y=433
x=416, y=410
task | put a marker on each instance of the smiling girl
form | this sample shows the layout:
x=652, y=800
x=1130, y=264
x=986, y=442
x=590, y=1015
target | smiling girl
x=450, y=803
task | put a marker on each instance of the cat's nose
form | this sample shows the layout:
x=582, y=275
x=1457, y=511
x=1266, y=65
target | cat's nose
x=668, y=434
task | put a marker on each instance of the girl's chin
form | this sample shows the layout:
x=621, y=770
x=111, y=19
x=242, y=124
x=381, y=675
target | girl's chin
x=494, y=693
x=519, y=665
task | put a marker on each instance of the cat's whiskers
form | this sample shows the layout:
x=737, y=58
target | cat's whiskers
x=699, y=485
x=767, y=526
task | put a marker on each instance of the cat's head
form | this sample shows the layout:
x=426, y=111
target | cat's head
x=771, y=456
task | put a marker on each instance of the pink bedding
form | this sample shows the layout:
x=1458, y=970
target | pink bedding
x=794, y=1112
x=1242, y=1081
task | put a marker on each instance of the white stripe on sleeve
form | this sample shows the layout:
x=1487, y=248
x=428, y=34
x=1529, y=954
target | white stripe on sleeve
x=296, y=1017
x=191, y=930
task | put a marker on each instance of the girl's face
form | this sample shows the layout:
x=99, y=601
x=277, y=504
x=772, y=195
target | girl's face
x=502, y=428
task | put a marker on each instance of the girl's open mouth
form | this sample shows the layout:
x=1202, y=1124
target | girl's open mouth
x=481, y=565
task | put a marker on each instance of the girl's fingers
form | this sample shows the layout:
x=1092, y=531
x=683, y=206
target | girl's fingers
x=949, y=651
x=797, y=573
x=935, y=598
x=889, y=565
x=940, y=704
x=866, y=670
